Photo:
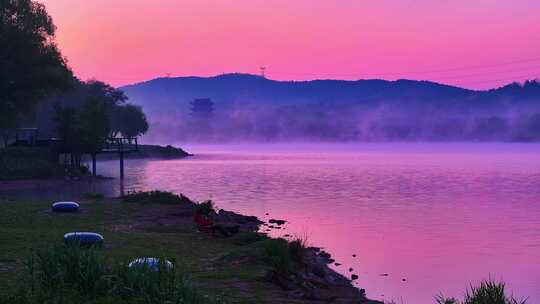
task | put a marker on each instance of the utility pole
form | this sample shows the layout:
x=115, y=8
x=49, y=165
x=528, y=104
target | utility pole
x=263, y=71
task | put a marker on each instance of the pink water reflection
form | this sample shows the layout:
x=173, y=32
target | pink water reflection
x=438, y=216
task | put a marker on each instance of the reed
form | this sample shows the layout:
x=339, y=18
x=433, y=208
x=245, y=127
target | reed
x=72, y=274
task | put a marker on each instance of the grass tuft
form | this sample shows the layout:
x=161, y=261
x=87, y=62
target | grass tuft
x=488, y=292
x=71, y=274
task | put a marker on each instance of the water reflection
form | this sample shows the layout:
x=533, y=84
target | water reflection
x=437, y=216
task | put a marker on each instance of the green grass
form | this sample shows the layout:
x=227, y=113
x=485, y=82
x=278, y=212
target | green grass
x=488, y=292
x=71, y=274
x=29, y=226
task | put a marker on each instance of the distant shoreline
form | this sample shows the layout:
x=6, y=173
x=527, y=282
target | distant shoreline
x=150, y=151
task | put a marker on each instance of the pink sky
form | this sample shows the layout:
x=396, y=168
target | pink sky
x=476, y=44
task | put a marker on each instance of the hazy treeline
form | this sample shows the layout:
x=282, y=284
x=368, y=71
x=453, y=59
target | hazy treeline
x=38, y=88
x=408, y=113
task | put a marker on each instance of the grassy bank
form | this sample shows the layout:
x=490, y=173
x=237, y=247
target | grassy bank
x=235, y=268
x=25, y=163
x=36, y=267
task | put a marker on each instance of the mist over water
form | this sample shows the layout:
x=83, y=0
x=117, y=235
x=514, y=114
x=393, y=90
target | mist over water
x=248, y=108
x=440, y=216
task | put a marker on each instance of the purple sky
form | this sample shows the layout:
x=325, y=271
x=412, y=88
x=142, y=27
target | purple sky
x=476, y=44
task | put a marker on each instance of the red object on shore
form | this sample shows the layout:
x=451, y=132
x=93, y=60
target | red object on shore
x=203, y=221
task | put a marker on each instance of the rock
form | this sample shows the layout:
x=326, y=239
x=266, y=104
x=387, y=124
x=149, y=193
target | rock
x=325, y=255
x=244, y=223
x=404, y=280
x=337, y=264
x=384, y=274
x=354, y=277
x=277, y=222
x=354, y=255
x=350, y=269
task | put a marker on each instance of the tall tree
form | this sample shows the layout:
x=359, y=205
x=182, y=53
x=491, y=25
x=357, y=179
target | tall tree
x=31, y=66
x=129, y=120
x=95, y=125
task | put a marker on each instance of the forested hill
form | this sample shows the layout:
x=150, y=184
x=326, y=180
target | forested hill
x=249, y=107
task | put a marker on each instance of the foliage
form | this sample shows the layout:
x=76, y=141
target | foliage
x=129, y=120
x=278, y=255
x=71, y=274
x=441, y=299
x=94, y=195
x=155, y=197
x=488, y=292
x=95, y=125
x=297, y=248
x=283, y=255
x=32, y=67
x=82, y=130
x=89, y=114
x=205, y=207
x=27, y=163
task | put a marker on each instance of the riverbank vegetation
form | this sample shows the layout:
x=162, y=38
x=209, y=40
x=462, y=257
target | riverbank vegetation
x=43, y=105
x=248, y=267
x=486, y=292
x=207, y=268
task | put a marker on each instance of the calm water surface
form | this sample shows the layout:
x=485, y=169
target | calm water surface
x=433, y=217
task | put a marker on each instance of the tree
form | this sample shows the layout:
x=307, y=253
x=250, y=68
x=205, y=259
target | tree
x=66, y=126
x=109, y=95
x=129, y=120
x=95, y=125
x=31, y=66
x=83, y=130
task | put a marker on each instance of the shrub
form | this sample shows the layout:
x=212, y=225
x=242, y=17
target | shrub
x=297, y=248
x=156, y=197
x=278, y=255
x=489, y=292
x=71, y=274
x=94, y=195
x=205, y=207
x=246, y=238
x=440, y=299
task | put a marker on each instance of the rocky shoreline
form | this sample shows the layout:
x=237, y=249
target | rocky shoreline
x=313, y=280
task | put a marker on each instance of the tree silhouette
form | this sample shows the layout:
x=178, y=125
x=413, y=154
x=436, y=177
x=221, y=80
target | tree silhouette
x=31, y=66
x=129, y=120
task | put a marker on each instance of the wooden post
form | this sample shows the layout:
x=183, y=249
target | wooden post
x=94, y=165
x=121, y=164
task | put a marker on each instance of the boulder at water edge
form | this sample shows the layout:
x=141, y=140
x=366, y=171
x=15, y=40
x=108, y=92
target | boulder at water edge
x=65, y=207
x=86, y=239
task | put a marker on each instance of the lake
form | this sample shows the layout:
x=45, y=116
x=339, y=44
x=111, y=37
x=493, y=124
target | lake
x=433, y=217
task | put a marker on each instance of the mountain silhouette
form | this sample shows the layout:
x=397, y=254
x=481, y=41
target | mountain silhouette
x=247, y=104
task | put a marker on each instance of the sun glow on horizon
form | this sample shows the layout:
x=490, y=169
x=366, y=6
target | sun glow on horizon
x=475, y=45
